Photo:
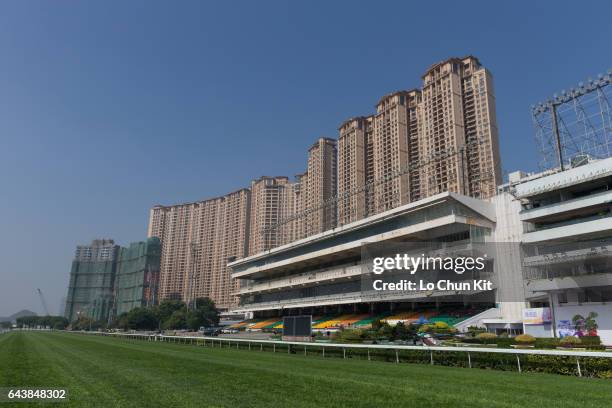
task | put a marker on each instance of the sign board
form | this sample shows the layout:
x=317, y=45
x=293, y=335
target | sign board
x=539, y=315
x=297, y=328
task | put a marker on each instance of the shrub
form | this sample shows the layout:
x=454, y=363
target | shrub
x=385, y=330
x=605, y=374
x=348, y=336
x=437, y=328
x=565, y=365
x=424, y=328
x=441, y=325
x=546, y=343
x=525, y=339
x=590, y=340
x=376, y=325
x=486, y=338
x=476, y=329
x=368, y=335
x=570, y=341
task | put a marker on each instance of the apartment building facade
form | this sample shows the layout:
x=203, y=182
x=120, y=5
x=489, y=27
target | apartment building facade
x=293, y=227
x=92, y=281
x=418, y=143
x=459, y=123
x=352, y=170
x=271, y=202
x=422, y=142
x=198, y=239
x=137, y=277
x=390, y=152
x=321, y=186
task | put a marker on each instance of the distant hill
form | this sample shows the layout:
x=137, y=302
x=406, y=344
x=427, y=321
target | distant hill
x=21, y=313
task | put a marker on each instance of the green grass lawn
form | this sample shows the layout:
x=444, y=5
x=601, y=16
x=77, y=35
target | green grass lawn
x=109, y=372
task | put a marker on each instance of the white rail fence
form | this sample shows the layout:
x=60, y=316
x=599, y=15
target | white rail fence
x=296, y=346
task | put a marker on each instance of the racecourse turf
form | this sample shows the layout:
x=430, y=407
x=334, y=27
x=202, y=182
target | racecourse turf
x=110, y=372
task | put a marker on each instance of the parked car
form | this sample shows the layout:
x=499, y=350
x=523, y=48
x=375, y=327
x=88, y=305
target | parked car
x=228, y=330
x=210, y=331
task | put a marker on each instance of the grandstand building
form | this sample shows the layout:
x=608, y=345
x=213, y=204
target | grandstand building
x=552, y=232
x=321, y=275
x=567, y=242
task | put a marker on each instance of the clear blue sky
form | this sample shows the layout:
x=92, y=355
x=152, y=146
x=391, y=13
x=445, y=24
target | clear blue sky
x=107, y=108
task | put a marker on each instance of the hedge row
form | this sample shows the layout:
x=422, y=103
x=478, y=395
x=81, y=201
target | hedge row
x=589, y=342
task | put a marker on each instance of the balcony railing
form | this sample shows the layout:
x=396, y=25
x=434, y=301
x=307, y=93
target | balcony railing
x=304, y=279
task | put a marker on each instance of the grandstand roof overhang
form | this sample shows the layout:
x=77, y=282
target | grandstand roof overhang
x=346, y=241
x=564, y=179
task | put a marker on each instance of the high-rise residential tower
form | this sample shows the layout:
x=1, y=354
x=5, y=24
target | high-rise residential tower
x=422, y=142
x=321, y=186
x=231, y=242
x=458, y=107
x=390, y=151
x=352, y=170
x=270, y=204
x=294, y=226
x=137, y=277
x=92, y=280
x=414, y=116
x=198, y=240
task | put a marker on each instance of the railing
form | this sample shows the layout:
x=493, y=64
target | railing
x=567, y=223
x=304, y=278
x=346, y=297
x=295, y=346
x=545, y=205
x=342, y=296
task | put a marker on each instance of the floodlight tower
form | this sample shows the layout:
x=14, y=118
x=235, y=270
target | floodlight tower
x=578, y=122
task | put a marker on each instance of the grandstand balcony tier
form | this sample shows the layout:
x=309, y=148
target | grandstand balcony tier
x=323, y=273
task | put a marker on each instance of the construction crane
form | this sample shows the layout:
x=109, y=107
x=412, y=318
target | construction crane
x=42, y=300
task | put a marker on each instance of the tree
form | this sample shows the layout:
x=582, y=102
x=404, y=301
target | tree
x=205, y=315
x=58, y=322
x=121, y=322
x=27, y=321
x=385, y=331
x=403, y=332
x=141, y=318
x=52, y=322
x=167, y=308
x=87, y=323
x=588, y=324
x=177, y=321
x=5, y=325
